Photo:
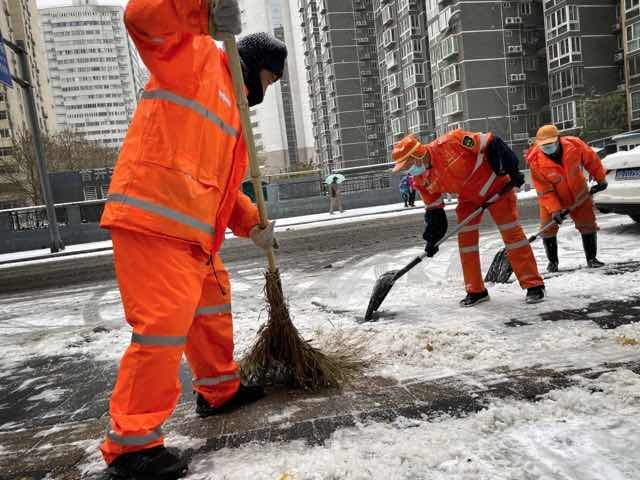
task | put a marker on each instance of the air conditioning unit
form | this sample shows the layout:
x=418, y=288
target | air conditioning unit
x=522, y=76
x=368, y=105
x=519, y=107
x=517, y=20
x=514, y=49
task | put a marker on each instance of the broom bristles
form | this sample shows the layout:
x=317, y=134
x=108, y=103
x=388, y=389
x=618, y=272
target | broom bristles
x=281, y=356
x=500, y=270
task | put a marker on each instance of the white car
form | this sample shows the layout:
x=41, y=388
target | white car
x=623, y=175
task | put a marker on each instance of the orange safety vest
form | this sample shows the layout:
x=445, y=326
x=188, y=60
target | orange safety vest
x=459, y=165
x=184, y=157
x=559, y=185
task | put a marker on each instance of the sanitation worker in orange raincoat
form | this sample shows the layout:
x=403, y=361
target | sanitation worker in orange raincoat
x=556, y=170
x=474, y=166
x=175, y=190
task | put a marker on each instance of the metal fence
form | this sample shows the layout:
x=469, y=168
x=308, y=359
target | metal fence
x=34, y=219
x=317, y=188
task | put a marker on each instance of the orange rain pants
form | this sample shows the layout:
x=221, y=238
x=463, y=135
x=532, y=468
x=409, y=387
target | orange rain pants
x=505, y=214
x=175, y=305
x=582, y=215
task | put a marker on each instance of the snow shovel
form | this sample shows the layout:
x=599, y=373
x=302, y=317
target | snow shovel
x=500, y=269
x=386, y=281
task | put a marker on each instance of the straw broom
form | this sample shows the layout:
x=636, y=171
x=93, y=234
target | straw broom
x=280, y=355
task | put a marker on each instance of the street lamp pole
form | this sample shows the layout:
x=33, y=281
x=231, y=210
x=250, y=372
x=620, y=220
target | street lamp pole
x=25, y=82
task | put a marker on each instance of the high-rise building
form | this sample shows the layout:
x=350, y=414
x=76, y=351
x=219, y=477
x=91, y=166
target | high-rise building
x=344, y=82
x=19, y=22
x=405, y=76
x=91, y=64
x=281, y=123
x=582, y=43
x=488, y=67
x=629, y=52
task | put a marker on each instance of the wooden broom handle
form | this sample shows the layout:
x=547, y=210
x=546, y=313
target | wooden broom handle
x=243, y=105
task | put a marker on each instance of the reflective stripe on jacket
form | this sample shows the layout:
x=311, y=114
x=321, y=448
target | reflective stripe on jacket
x=184, y=158
x=459, y=166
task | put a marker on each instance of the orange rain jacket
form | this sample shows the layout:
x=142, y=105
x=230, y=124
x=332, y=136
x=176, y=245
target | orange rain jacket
x=559, y=186
x=458, y=166
x=184, y=157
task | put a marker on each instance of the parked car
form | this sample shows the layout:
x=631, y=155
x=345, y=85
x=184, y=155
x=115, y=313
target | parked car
x=623, y=175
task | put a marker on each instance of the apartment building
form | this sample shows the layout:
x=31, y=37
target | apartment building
x=405, y=75
x=583, y=55
x=629, y=53
x=344, y=82
x=488, y=67
x=93, y=70
x=19, y=22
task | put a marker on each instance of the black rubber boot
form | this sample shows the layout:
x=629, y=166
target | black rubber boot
x=535, y=294
x=472, y=299
x=590, y=244
x=156, y=463
x=245, y=395
x=551, y=249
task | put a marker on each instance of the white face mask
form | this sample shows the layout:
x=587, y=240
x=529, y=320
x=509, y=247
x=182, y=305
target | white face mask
x=549, y=148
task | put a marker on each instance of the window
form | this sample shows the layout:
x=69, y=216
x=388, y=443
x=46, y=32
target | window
x=564, y=115
x=565, y=79
x=526, y=8
x=635, y=105
x=567, y=50
x=389, y=37
x=631, y=4
x=414, y=73
x=449, y=75
x=633, y=37
x=453, y=103
x=562, y=20
x=396, y=126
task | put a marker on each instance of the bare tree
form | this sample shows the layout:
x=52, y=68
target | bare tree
x=64, y=151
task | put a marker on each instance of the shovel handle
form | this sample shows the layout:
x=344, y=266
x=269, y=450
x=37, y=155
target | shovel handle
x=507, y=188
x=460, y=226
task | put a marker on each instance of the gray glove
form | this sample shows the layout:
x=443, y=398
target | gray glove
x=224, y=17
x=263, y=237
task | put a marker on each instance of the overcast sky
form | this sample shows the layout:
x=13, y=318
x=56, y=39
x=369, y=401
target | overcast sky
x=59, y=3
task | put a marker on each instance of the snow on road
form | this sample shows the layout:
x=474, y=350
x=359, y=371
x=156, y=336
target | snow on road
x=590, y=431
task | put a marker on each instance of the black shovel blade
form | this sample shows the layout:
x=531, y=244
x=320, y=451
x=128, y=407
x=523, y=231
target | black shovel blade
x=380, y=291
x=500, y=269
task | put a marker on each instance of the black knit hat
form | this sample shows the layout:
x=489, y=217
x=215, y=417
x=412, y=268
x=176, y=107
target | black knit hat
x=261, y=50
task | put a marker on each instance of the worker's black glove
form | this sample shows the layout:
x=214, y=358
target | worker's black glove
x=517, y=178
x=558, y=217
x=599, y=187
x=435, y=228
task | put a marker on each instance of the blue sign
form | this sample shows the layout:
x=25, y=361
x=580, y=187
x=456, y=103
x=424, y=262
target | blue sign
x=5, y=72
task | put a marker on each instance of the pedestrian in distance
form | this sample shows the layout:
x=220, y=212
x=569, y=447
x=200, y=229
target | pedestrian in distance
x=475, y=166
x=335, y=198
x=412, y=190
x=174, y=192
x=404, y=189
x=556, y=164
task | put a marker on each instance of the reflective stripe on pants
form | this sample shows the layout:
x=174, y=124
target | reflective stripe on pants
x=175, y=305
x=505, y=215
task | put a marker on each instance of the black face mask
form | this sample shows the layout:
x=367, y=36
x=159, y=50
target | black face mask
x=254, y=85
